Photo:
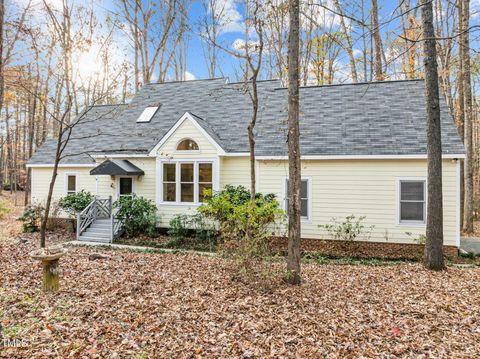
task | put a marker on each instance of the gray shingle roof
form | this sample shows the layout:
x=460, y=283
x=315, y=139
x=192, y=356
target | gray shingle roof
x=383, y=118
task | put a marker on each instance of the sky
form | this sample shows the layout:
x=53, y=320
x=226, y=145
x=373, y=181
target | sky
x=232, y=32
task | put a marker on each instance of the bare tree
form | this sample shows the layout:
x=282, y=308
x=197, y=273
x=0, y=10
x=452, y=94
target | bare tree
x=433, y=257
x=349, y=43
x=155, y=29
x=214, y=18
x=467, y=88
x=294, y=174
x=250, y=51
x=377, y=41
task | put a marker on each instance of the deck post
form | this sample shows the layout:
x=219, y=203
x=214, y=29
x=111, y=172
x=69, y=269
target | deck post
x=79, y=218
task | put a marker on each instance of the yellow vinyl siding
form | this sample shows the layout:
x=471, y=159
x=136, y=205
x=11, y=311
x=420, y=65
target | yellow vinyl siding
x=144, y=186
x=41, y=178
x=168, y=152
x=363, y=188
x=187, y=130
x=338, y=187
x=235, y=171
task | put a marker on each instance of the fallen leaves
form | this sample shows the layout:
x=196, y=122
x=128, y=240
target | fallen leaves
x=130, y=304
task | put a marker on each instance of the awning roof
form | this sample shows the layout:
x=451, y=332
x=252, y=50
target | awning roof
x=117, y=168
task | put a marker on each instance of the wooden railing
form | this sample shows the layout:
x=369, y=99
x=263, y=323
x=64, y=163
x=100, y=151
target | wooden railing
x=117, y=225
x=86, y=217
x=98, y=208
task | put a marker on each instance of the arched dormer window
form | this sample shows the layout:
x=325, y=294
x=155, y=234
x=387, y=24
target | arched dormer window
x=187, y=145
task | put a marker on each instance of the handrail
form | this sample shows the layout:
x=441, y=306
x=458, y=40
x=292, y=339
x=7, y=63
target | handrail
x=96, y=208
x=88, y=207
x=117, y=225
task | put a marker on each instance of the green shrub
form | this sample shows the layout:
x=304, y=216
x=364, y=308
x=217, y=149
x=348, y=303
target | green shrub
x=420, y=239
x=195, y=229
x=31, y=217
x=178, y=229
x=76, y=202
x=349, y=229
x=138, y=215
x=245, y=227
x=3, y=209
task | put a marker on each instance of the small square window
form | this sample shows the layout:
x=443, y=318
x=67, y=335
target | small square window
x=412, y=201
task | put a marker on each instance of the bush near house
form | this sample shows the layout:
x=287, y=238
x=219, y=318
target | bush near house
x=192, y=231
x=238, y=219
x=138, y=215
x=349, y=229
x=75, y=202
x=245, y=228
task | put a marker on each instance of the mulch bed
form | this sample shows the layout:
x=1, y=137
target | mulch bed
x=128, y=304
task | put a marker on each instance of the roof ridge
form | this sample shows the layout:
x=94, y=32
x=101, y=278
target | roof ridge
x=356, y=83
x=242, y=82
x=185, y=81
x=107, y=105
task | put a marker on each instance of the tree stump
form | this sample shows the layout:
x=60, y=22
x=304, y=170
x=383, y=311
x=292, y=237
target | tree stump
x=49, y=258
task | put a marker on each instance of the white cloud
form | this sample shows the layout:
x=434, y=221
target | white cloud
x=240, y=46
x=357, y=52
x=318, y=13
x=229, y=17
x=189, y=76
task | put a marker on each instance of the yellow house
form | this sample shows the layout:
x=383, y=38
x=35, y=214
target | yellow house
x=363, y=153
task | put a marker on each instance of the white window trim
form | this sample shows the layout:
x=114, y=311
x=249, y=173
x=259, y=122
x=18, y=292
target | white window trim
x=117, y=183
x=187, y=151
x=308, y=219
x=421, y=224
x=65, y=181
x=196, y=162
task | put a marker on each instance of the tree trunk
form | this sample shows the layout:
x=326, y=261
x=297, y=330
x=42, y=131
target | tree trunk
x=43, y=225
x=377, y=41
x=461, y=98
x=294, y=175
x=2, y=84
x=433, y=257
x=467, y=87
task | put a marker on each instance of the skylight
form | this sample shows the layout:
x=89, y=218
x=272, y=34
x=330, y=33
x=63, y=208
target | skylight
x=148, y=113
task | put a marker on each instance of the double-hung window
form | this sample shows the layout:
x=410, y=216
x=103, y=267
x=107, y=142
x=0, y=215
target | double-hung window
x=412, y=201
x=186, y=181
x=305, y=198
x=71, y=183
x=169, y=182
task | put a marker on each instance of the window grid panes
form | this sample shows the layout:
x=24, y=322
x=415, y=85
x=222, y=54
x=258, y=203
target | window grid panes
x=71, y=184
x=205, y=179
x=169, y=182
x=412, y=201
x=189, y=179
x=187, y=182
x=303, y=198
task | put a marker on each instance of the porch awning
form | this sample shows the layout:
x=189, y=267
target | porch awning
x=117, y=168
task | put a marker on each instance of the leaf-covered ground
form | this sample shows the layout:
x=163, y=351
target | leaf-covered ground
x=186, y=306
